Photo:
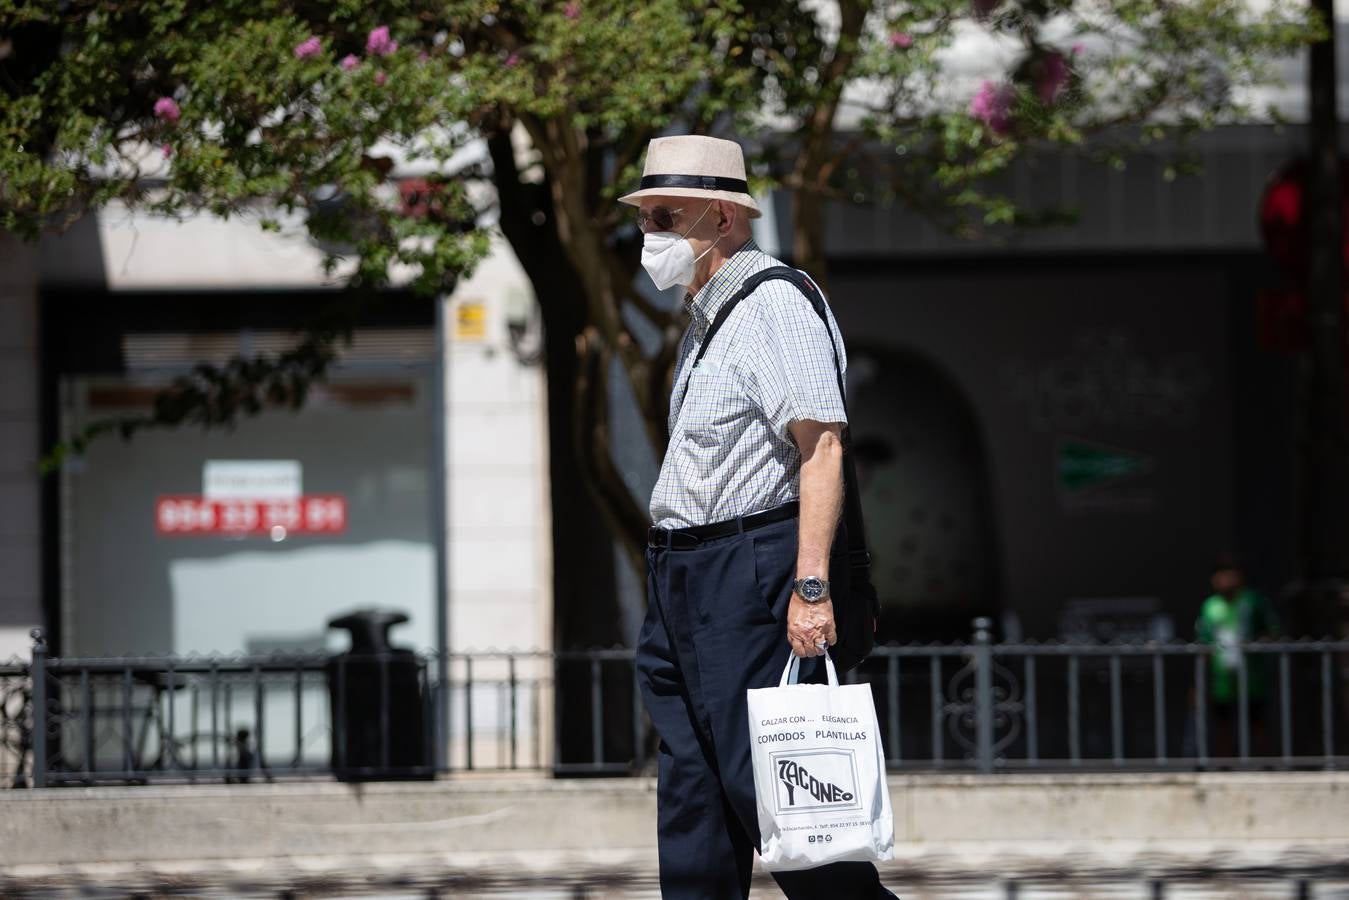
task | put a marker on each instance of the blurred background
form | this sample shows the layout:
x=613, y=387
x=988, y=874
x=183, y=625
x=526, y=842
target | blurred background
x=332, y=396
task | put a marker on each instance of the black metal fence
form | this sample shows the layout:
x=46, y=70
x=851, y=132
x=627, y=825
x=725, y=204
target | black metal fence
x=16, y=724
x=987, y=707
x=975, y=706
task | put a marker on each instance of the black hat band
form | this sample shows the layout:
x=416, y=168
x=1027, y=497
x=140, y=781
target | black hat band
x=706, y=182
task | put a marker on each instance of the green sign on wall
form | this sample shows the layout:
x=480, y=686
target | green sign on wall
x=1083, y=465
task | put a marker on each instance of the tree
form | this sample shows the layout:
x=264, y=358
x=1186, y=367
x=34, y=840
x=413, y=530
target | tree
x=295, y=113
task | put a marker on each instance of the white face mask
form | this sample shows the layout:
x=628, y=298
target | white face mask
x=668, y=258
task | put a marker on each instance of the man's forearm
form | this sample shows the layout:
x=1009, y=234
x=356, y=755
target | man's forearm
x=821, y=502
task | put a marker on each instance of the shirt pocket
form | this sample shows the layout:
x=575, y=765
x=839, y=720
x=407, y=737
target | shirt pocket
x=716, y=411
x=712, y=431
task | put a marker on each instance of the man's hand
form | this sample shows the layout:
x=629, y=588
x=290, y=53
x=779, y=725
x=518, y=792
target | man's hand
x=808, y=624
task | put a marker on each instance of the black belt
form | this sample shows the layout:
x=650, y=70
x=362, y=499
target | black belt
x=659, y=538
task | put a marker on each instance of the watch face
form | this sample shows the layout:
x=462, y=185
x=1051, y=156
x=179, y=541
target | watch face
x=812, y=588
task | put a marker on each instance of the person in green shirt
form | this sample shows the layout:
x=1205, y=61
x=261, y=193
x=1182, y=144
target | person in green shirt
x=1233, y=615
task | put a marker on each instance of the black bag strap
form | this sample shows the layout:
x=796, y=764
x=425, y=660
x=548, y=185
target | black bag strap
x=858, y=557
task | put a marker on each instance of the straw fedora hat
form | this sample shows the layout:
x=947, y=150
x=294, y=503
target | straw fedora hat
x=692, y=165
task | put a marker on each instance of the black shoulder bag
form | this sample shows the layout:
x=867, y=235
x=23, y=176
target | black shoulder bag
x=857, y=609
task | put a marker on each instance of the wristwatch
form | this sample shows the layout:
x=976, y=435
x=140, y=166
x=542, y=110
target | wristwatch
x=811, y=589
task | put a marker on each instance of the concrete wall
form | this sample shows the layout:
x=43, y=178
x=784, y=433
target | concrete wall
x=497, y=466
x=20, y=544
x=499, y=542
x=950, y=824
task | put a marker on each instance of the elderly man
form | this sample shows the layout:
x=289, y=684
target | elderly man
x=745, y=511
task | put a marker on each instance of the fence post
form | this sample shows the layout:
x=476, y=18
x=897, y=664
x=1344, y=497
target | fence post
x=983, y=693
x=37, y=672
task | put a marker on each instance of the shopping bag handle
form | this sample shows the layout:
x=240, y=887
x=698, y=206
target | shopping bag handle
x=792, y=674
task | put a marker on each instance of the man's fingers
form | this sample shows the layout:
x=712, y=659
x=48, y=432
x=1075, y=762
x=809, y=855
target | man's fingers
x=804, y=647
x=812, y=641
x=823, y=635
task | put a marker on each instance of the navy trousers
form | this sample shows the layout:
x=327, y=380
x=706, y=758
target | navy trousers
x=716, y=625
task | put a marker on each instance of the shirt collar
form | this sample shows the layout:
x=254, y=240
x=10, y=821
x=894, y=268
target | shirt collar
x=721, y=286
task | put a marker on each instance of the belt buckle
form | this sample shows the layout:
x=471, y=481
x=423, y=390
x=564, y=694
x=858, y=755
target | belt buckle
x=659, y=538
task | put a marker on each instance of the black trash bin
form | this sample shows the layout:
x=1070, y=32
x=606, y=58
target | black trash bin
x=380, y=726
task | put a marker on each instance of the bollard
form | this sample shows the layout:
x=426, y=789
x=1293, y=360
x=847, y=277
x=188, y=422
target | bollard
x=37, y=672
x=983, y=693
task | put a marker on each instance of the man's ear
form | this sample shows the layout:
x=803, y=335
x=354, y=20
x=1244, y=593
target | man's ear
x=727, y=220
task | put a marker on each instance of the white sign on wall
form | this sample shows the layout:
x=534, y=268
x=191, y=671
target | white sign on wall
x=251, y=479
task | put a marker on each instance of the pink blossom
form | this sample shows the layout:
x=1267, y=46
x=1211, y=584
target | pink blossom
x=901, y=40
x=1052, y=76
x=1077, y=48
x=309, y=47
x=423, y=56
x=984, y=8
x=512, y=60
x=166, y=150
x=572, y=11
x=349, y=62
x=381, y=77
x=992, y=106
x=379, y=43
x=167, y=109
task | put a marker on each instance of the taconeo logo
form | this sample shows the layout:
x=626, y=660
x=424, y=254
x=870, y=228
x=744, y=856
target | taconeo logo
x=810, y=780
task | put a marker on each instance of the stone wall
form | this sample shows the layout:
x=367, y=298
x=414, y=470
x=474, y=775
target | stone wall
x=534, y=831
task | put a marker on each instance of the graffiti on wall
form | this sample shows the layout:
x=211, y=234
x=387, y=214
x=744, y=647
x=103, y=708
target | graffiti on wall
x=1107, y=381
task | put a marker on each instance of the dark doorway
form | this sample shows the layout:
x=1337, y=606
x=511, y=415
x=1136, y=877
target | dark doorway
x=925, y=488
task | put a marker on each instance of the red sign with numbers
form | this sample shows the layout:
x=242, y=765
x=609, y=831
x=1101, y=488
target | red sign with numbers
x=189, y=514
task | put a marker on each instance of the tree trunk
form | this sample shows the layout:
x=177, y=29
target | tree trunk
x=585, y=597
x=808, y=235
x=818, y=159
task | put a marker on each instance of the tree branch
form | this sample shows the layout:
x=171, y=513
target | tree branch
x=817, y=143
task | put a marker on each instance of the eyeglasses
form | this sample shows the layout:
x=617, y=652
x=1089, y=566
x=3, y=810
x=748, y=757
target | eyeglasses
x=661, y=216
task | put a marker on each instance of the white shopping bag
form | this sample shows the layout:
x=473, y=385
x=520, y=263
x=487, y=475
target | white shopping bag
x=819, y=773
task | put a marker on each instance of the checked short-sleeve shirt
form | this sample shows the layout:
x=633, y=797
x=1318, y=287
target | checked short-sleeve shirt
x=770, y=364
